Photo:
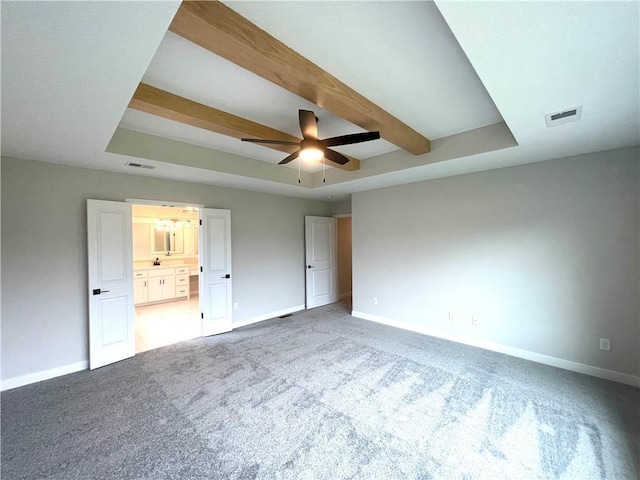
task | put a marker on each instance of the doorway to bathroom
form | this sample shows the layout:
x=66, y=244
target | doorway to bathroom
x=166, y=274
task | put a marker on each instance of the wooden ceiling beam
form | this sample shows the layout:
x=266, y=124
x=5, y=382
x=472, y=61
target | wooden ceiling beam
x=219, y=29
x=173, y=107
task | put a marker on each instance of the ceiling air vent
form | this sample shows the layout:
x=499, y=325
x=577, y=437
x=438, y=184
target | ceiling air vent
x=139, y=165
x=565, y=116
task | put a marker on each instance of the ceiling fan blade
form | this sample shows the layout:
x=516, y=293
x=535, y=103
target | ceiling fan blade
x=276, y=142
x=349, y=139
x=335, y=156
x=308, y=124
x=291, y=157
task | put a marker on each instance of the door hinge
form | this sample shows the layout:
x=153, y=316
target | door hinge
x=202, y=315
x=200, y=269
x=200, y=221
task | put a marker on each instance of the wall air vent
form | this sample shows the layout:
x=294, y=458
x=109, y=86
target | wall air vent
x=565, y=116
x=139, y=165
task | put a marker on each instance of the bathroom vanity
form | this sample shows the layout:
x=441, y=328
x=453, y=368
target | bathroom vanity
x=165, y=253
x=159, y=284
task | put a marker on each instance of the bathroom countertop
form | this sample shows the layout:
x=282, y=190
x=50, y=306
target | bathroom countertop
x=151, y=267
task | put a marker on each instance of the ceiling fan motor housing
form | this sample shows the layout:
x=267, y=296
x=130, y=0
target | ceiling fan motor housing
x=311, y=143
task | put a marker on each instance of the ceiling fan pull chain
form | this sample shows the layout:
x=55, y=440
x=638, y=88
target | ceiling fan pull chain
x=324, y=178
x=299, y=170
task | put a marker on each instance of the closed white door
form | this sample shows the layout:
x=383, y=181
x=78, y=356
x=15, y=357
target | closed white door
x=110, y=259
x=215, y=277
x=321, y=261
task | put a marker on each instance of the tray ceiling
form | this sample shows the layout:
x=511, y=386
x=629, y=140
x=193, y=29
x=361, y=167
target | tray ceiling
x=476, y=79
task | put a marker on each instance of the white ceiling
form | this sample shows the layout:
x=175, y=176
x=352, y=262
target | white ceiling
x=69, y=70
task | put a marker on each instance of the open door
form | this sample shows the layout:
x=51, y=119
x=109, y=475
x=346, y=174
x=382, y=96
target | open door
x=321, y=262
x=215, y=277
x=110, y=260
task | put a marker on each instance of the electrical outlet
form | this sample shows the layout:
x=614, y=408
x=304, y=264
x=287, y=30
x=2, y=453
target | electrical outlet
x=235, y=306
x=605, y=344
x=375, y=300
x=475, y=320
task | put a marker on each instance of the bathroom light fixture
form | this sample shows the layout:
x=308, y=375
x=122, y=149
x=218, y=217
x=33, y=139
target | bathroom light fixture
x=171, y=224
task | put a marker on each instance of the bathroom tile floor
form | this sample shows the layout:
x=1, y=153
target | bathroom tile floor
x=166, y=323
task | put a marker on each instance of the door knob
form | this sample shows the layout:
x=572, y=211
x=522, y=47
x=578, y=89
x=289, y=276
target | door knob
x=311, y=266
x=97, y=291
x=226, y=276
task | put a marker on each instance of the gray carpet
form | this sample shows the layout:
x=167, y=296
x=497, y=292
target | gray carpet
x=321, y=395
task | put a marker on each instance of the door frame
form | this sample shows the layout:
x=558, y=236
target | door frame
x=337, y=217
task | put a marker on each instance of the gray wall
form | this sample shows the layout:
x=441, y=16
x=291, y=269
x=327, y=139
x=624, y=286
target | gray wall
x=546, y=255
x=44, y=266
x=341, y=208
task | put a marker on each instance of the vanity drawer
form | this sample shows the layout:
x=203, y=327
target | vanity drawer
x=182, y=291
x=182, y=280
x=161, y=272
x=182, y=270
x=140, y=274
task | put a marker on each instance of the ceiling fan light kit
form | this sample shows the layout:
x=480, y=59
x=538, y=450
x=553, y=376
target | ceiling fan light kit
x=311, y=154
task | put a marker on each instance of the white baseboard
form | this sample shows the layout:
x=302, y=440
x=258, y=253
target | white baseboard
x=16, y=382
x=267, y=316
x=514, y=352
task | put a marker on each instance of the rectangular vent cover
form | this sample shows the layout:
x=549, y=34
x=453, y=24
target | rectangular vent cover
x=565, y=116
x=139, y=165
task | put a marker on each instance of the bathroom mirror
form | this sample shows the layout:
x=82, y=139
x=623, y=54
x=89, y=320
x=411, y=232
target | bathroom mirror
x=163, y=242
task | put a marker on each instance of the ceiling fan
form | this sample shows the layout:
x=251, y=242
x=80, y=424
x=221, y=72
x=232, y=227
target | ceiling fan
x=314, y=149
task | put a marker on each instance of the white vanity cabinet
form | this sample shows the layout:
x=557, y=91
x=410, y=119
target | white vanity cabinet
x=182, y=282
x=159, y=284
x=162, y=284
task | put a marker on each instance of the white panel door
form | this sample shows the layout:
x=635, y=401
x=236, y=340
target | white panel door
x=110, y=259
x=215, y=279
x=321, y=266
